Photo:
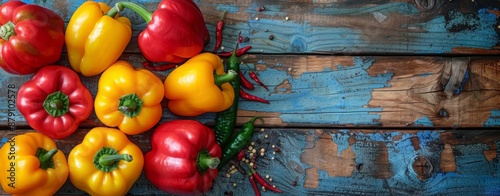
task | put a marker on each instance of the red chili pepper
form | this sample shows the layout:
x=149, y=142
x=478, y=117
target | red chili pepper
x=239, y=52
x=218, y=32
x=244, y=82
x=250, y=97
x=263, y=182
x=254, y=185
x=241, y=155
x=162, y=67
x=253, y=75
x=240, y=38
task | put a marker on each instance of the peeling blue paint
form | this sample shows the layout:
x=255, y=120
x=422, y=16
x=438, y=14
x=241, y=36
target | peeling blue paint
x=315, y=97
x=494, y=119
x=482, y=36
x=342, y=140
x=424, y=121
x=397, y=7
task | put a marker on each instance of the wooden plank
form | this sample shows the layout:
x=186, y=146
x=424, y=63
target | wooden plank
x=344, y=27
x=353, y=161
x=352, y=91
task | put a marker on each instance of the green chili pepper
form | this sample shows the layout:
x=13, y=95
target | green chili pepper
x=238, y=142
x=225, y=120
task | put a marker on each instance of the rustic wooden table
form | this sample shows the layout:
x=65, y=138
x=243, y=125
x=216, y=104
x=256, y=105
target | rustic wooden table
x=366, y=97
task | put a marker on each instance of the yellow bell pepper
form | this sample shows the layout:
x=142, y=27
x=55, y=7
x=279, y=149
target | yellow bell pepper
x=105, y=163
x=129, y=99
x=96, y=37
x=200, y=85
x=32, y=165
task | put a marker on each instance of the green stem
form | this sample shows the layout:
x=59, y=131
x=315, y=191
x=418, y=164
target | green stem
x=56, y=104
x=107, y=159
x=130, y=105
x=205, y=161
x=45, y=157
x=145, y=14
x=7, y=30
x=221, y=79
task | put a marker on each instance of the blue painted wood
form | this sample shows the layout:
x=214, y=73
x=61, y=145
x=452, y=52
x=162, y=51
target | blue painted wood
x=387, y=27
x=318, y=92
x=349, y=161
x=346, y=91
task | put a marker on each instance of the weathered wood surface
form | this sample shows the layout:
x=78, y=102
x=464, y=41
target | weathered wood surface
x=359, y=91
x=341, y=27
x=409, y=104
x=341, y=161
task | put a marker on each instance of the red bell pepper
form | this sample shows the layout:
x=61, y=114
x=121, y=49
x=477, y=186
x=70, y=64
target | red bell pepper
x=183, y=158
x=32, y=37
x=175, y=32
x=54, y=101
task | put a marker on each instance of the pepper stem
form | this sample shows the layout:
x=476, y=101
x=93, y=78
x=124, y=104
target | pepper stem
x=130, y=105
x=56, y=104
x=205, y=161
x=145, y=14
x=45, y=157
x=7, y=30
x=228, y=77
x=107, y=159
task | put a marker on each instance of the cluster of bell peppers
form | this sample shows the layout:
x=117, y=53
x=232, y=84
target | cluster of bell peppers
x=54, y=101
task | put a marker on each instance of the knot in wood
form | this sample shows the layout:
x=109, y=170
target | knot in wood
x=443, y=113
x=422, y=167
x=427, y=5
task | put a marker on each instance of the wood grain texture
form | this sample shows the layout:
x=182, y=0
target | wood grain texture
x=395, y=97
x=340, y=27
x=342, y=161
x=359, y=91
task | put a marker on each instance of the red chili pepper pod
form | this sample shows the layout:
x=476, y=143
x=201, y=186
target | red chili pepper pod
x=254, y=185
x=218, y=32
x=254, y=76
x=240, y=38
x=257, y=177
x=245, y=83
x=250, y=97
x=239, y=52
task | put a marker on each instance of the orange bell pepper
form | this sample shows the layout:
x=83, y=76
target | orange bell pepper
x=129, y=99
x=105, y=163
x=31, y=164
x=200, y=85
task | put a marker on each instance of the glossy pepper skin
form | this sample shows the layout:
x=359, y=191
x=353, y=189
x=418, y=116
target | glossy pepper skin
x=32, y=165
x=32, y=37
x=96, y=37
x=200, y=85
x=128, y=98
x=175, y=32
x=54, y=102
x=183, y=158
x=105, y=163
